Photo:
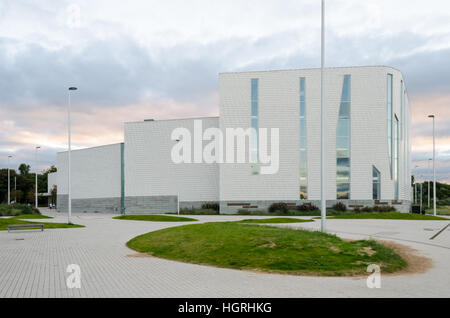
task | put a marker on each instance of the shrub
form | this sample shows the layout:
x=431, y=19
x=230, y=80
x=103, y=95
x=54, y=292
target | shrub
x=339, y=206
x=385, y=208
x=17, y=209
x=279, y=207
x=243, y=212
x=306, y=207
x=212, y=206
x=194, y=211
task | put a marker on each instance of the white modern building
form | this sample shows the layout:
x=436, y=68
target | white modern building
x=367, y=142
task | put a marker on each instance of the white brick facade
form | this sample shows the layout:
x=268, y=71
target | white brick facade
x=279, y=108
x=150, y=171
x=95, y=172
x=152, y=181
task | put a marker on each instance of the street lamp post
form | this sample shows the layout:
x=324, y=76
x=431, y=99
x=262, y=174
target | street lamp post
x=421, y=184
x=36, y=179
x=434, y=167
x=9, y=190
x=323, y=207
x=429, y=184
x=69, y=203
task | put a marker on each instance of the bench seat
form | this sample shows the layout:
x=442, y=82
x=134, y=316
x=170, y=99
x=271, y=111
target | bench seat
x=25, y=226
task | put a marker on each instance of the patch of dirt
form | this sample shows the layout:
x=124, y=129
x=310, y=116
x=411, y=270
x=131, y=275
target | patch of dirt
x=138, y=255
x=368, y=250
x=417, y=264
x=271, y=245
x=335, y=249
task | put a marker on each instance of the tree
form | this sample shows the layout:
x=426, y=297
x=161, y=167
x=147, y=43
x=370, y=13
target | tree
x=16, y=195
x=30, y=196
x=54, y=193
x=24, y=169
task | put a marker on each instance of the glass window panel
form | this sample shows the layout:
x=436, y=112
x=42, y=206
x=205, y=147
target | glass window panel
x=302, y=153
x=254, y=122
x=255, y=89
x=344, y=110
x=342, y=153
x=303, y=143
x=343, y=128
x=254, y=108
x=343, y=143
x=375, y=192
x=343, y=162
x=346, y=89
x=302, y=129
x=302, y=109
x=343, y=190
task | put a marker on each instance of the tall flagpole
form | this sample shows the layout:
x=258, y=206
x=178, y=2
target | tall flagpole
x=323, y=207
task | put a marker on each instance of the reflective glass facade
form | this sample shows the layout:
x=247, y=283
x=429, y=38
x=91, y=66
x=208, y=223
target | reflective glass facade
x=376, y=183
x=389, y=119
x=396, y=150
x=343, y=142
x=254, y=120
x=303, y=161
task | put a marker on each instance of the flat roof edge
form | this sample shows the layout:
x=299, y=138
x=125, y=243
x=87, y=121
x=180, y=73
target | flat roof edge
x=313, y=68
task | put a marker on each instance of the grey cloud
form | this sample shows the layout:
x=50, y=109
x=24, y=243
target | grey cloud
x=107, y=73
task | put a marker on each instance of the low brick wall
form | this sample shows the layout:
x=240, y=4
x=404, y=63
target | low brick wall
x=151, y=204
x=97, y=205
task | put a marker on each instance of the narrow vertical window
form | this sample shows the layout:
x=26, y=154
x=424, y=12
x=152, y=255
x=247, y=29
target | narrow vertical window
x=402, y=105
x=254, y=120
x=303, y=162
x=376, y=183
x=343, y=143
x=389, y=119
x=396, y=149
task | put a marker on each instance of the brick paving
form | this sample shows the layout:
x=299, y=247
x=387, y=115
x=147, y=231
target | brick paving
x=33, y=264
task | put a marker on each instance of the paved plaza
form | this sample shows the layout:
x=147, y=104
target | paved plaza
x=34, y=263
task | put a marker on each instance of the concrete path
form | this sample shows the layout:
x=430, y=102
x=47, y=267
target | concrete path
x=33, y=263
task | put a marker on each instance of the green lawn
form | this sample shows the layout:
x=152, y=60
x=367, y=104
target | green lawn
x=267, y=248
x=15, y=220
x=154, y=218
x=387, y=215
x=440, y=210
x=274, y=220
x=31, y=216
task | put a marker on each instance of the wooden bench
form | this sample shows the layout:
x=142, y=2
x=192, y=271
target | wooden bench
x=25, y=226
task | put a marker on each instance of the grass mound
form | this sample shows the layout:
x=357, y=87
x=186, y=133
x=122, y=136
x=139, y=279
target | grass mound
x=154, y=218
x=274, y=220
x=267, y=248
x=4, y=222
x=388, y=216
x=31, y=216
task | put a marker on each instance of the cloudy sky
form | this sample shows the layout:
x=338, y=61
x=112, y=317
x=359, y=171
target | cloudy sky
x=160, y=59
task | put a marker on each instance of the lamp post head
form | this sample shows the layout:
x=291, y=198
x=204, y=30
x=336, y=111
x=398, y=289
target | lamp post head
x=430, y=116
x=38, y=147
x=72, y=88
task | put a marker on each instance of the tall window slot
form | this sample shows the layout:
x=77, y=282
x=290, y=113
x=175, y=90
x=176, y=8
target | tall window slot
x=376, y=183
x=343, y=143
x=396, y=150
x=303, y=162
x=254, y=120
x=389, y=119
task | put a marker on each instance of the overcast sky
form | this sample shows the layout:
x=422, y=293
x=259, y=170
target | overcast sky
x=160, y=59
